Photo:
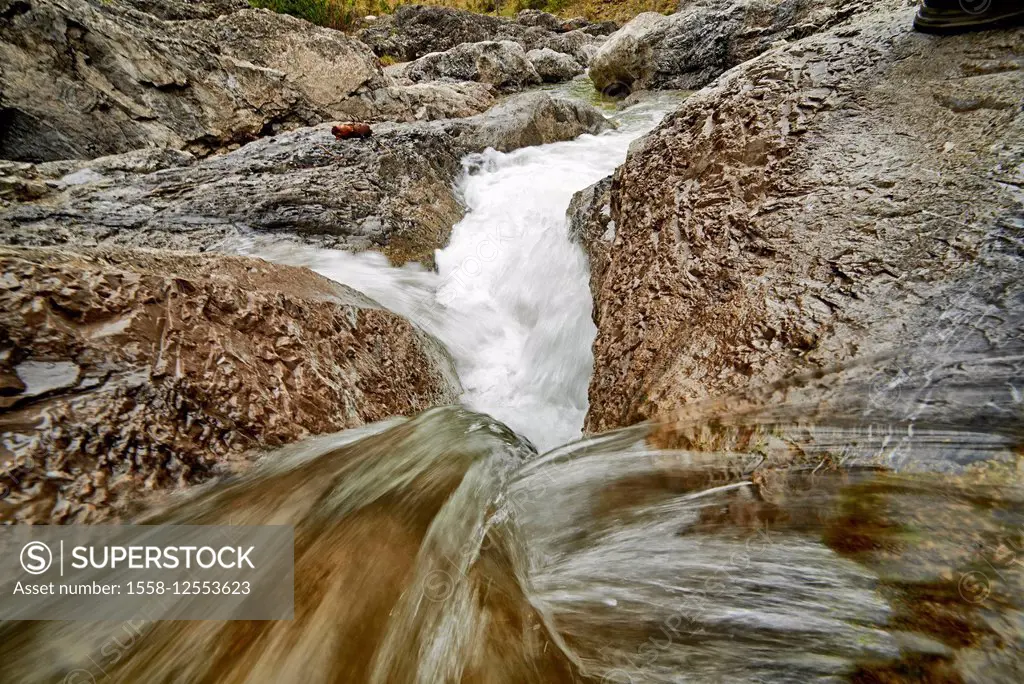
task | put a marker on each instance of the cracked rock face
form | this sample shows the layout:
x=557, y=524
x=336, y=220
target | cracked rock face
x=851, y=193
x=689, y=49
x=85, y=79
x=417, y=30
x=392, y=192
x=407, y=101
x=123, y=371
x=503, y=64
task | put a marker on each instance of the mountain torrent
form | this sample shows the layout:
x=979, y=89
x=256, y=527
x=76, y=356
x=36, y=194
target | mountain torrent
x=605, y=382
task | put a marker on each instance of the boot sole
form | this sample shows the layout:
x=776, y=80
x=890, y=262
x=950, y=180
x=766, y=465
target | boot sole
x=954, y=21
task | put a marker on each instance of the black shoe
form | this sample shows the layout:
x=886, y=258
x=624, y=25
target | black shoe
x=960, y=16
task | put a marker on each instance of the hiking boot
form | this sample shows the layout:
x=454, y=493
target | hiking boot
x=959, y=16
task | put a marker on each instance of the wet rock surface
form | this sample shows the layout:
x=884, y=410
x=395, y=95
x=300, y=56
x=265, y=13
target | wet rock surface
x=853, y=192
x=124, y=371
x=689, y=49
x=529, y=119
x=583, y=46
x=392, y=192
x=503, y=64
x=85, y=79
x=591, y=225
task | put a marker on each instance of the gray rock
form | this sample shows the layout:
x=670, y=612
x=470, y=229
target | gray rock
x=580, y=44
x=626, y=61
x=691, y=48
x=580, y=22
x=597, y=28
x=39, y=378
x=528, y=119
x=554, y=67
x=177, y=10
x=848, y=194
x=592, y=226
x=503, y=64
x=85, y=79
x=416, y=30
x=408, y=101
x=532, y=17
x=392, y=192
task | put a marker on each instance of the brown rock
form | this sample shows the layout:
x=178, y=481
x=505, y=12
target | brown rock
x=819, y=204
x=153, y=369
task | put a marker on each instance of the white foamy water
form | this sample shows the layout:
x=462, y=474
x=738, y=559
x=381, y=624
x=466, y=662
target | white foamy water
x=510, y=298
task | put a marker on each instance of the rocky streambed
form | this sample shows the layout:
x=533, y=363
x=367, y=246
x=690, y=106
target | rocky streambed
x=132, y=129
x=839, y=185
x=806, y=276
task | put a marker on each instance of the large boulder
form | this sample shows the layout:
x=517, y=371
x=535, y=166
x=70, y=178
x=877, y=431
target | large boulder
x=554, y=67
x=844, y=195
x=83, y=79
x=123, y=371
x=392, y=192
x=408, y=101
x=581, y=45
x=689, y=49
x=503, y=64
x=530, y=119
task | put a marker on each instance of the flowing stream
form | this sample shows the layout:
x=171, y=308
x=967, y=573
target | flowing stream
x=510, y=298
x=856, y=525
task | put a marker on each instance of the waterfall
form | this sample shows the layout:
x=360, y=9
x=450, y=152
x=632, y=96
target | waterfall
x=510, y=297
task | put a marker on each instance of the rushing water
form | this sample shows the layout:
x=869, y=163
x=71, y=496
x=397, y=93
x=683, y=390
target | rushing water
x=763, y=538
x=510, y=297
x=864, y=524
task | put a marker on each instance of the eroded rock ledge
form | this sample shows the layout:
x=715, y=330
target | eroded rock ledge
x=849, y=193
x=130, y=370
x=392, y=192
x=81, y=79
